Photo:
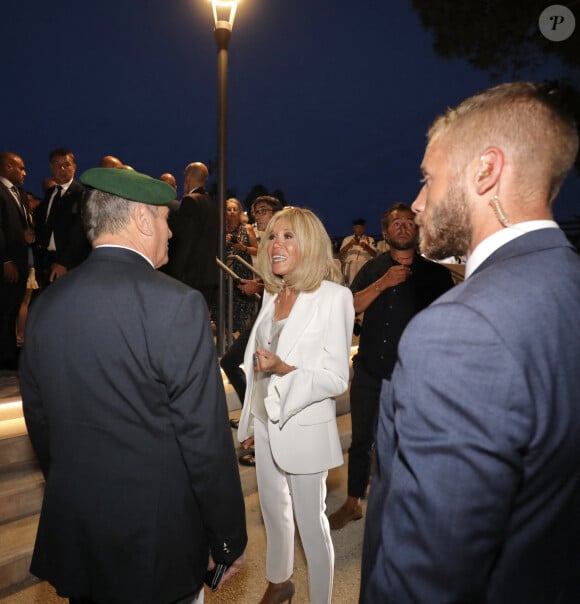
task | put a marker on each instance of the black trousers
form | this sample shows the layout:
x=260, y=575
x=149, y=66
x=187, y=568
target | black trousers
x=43, y=260
x=231, y=361
x=11, y=296
x=365, y=391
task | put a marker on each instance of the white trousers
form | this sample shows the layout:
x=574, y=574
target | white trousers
x=199, y=599
x=284, y=497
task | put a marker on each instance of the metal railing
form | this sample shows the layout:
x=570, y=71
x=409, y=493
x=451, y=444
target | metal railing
x=232, y=277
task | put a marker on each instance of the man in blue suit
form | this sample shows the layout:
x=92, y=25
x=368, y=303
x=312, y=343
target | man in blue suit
x=476, y=494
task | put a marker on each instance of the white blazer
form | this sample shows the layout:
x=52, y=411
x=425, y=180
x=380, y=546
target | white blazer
x=301, y=411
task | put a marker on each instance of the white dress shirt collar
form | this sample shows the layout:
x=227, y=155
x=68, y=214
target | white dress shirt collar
x=64, y=188
x=7, y=183
x=492, y=243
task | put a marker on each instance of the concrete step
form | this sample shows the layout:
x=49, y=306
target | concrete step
x=21, y=491
x=22, y=485
x=16, y=547
x=24, y=495
x=15, y=447
x=10, y=408
x=9, y=386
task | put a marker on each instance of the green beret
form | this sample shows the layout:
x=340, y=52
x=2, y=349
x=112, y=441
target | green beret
x=129, y=185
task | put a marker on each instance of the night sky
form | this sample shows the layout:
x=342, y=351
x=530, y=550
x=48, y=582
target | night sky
x=328, y=101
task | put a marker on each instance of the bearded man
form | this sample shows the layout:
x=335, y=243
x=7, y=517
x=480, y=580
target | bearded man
x=476, y=493
x=390, y=289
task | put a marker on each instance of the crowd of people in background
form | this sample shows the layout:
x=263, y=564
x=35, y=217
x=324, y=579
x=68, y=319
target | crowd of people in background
x=48, y=231
x=463, y=400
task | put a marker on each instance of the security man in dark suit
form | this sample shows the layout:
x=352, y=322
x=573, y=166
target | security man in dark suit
x=195, y=226
x=475, y=496
x=16, y=235
x=61, y=243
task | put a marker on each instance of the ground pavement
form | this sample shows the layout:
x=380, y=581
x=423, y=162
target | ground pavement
x=249, y=584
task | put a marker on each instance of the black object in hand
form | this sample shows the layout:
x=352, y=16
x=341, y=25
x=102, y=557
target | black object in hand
x=214, y=577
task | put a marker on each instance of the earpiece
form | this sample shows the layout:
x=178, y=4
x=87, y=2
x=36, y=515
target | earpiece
x=484, y=170
x=498, y=211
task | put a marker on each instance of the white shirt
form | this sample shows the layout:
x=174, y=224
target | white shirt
x=492, y=243
x=63, y=190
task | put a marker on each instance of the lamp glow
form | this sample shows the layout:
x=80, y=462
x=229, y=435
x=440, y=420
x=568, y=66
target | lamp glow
x=224, y=13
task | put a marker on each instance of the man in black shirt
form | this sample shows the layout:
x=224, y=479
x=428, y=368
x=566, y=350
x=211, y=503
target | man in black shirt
x=390, y=289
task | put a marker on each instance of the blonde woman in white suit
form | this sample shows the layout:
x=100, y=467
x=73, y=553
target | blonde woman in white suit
x=299, y=348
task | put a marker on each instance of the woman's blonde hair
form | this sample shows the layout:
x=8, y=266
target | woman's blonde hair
x=236, y=202
x=316, y=261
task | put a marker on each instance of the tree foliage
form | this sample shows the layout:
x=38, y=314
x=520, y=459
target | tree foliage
x=502, y=37
x=259, y=190
x=498, y=36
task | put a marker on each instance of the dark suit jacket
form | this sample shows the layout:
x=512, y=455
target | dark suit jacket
x=72, y=246
x=13, y=248
x=476, y=497
x=125, y=407
x=12, y=227
x=194, y=245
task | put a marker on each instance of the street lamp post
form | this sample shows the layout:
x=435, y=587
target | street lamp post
x=224, y=12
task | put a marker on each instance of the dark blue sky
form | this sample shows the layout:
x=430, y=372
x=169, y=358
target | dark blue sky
x=329, y=100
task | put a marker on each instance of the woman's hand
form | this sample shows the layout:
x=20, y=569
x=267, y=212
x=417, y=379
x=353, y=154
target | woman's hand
x=248, y=443
x=267, y=361
x=250, y=286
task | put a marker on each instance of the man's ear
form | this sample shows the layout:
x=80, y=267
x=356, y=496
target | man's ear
x=489, y=170
x=143, y=219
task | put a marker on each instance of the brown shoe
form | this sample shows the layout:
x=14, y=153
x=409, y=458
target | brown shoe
x=247, y=459
x=343, y=516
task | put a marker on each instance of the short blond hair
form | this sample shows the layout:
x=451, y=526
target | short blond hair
x=316, y=261
x=521, y=118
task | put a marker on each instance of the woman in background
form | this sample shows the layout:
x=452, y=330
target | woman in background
x=241, y=241
x=299, y=348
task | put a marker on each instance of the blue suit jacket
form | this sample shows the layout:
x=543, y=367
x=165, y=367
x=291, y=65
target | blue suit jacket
x=476, y=494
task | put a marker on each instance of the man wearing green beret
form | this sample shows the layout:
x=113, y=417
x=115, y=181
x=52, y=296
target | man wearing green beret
x=125, y=408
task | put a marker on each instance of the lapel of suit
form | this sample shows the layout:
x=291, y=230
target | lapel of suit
x=299, y=319
x=18, y=208
x=266, y=312
x=72, y=189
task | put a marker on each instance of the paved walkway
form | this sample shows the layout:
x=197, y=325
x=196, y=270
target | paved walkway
x=249, y=584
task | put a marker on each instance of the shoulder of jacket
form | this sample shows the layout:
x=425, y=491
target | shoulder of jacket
x=335, y=288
